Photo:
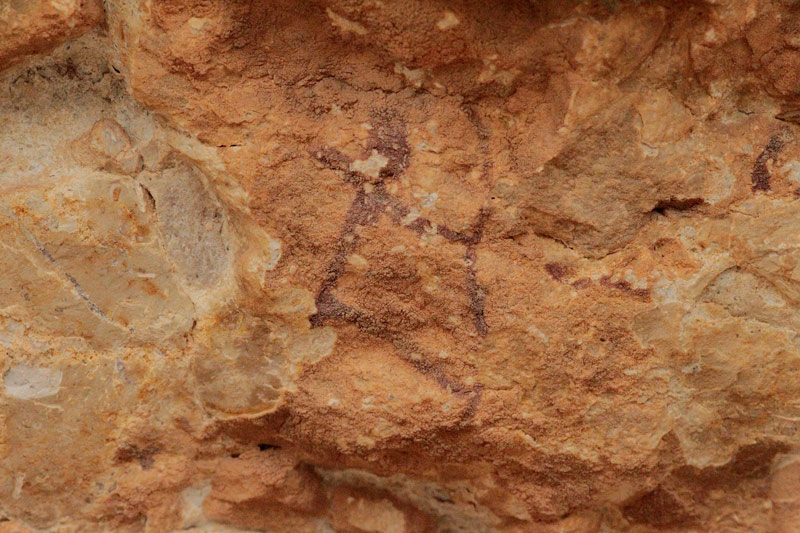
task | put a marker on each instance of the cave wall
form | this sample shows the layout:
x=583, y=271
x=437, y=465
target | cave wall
x=399, y=266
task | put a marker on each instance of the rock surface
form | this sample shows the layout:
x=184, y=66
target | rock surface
x=402, y=267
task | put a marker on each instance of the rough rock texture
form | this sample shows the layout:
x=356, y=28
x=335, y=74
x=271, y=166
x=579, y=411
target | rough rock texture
x=403, y=267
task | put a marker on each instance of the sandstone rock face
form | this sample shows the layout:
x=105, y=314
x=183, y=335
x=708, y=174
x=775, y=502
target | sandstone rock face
x=402, y=267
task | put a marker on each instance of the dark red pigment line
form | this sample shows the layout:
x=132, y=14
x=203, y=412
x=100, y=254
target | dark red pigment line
x=389, y=138
x=760, y=175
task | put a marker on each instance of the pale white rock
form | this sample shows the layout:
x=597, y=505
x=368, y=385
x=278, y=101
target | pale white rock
x=26, y=382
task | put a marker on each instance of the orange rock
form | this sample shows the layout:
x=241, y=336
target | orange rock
x=399, y=266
